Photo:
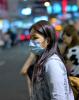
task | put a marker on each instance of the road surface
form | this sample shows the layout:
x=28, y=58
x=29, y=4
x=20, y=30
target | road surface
x=12, y=84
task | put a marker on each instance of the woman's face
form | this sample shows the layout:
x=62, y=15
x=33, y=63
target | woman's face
x=76, y=25
x=39, y=38
x=67, y=39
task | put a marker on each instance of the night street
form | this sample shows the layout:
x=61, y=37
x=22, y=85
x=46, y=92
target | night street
x=12, y=84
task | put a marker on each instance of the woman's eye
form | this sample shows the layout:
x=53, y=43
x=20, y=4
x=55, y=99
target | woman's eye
x=34, y=38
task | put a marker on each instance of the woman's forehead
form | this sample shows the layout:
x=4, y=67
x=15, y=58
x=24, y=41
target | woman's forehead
x=33, y=32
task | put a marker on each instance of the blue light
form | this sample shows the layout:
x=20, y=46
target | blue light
x=57, y=8
x=6, y=25
x=26, y=11
x=36, y=19
x=76, y=14
x=68, y=8
x=49, y=9
x=74, y=8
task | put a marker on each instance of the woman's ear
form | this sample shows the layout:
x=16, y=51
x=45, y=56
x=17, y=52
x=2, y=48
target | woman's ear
x=46, y=42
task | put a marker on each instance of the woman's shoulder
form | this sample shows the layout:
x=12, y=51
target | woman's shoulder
x=54, y=63
x=54, y=57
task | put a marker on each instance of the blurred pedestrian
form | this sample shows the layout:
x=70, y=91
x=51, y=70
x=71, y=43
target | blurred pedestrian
x=1, y=39
x=12, y=36
x=69, y=48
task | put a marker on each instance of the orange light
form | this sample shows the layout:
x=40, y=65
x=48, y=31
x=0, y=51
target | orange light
x=53, y=20
x=58, y=28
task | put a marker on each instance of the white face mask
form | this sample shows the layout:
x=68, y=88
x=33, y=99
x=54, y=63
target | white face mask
x=36, y=47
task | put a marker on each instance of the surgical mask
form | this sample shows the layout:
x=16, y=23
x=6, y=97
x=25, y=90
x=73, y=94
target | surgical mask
x=36, y=47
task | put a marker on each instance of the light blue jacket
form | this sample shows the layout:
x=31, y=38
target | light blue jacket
x=54, y=85
x=57, y=79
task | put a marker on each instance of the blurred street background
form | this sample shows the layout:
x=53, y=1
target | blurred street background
x=13, y=85
x=16, y=17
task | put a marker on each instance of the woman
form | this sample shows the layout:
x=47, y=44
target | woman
x=69, y=49
x=49, y=80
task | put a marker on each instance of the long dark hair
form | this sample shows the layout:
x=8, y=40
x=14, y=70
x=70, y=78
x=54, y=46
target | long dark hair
x=47, y=31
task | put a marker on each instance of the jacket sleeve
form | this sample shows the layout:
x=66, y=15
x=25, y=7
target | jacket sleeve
x=57, y=80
